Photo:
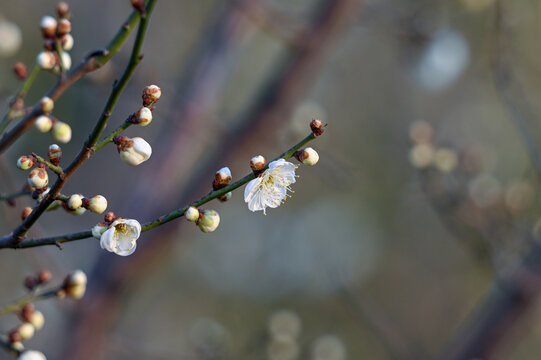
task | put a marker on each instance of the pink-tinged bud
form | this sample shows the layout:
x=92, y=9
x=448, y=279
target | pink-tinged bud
x=109, y=217
x=143, y=116
x=64, y=27
x=26, y=212
x=209, y=221
x=46, y=60
x=67, y=42
x=62, y=9
x=62, y=132
x=151, y=94
x=98, y=204
x=47, y=104
x=317, y=127
x=20, y=70
x=138, y=5
x=43, y=123
x=192, y=214
x=26, y=162
x=307, y=156
x=38, y=178
x=257, y=163
x=225, y=197
x=44, y=276
x=75, y=284
x=133, y=151
x=222, y=178
x=55, y=154
x=48, y=26
x=75, y=201
x=26, y=312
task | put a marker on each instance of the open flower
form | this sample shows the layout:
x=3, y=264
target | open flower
x=270, y=188
x=121, y=237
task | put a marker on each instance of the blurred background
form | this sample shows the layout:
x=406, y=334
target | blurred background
x=424, y=195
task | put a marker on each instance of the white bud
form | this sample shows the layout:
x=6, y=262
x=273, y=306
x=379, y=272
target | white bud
x=64, y=27
x=38, y=178
x=62, y=132
x=25, y=162
x=98, y=204
x=421, y=155
x=209, y=221
x=32, y=355
x=144, y=116
x=46, y=60
x=11, y=38
x=79, y=211
x=136, y=153
x=257, y=163
x=445, y=160
x=37, y=319
x=43, y=123
x=311, y=157
x=97, y=230
x=47, y=104
x=26, y=330
x=17, y=345
x=66, y=61
x=75, y=284
x=67, y=42
x=48, y=26
x=225, y=197
x=192, y=214
x=75, y=201
x=151, y=94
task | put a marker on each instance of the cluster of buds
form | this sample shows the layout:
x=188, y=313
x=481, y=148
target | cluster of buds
x=56, y=33
x=77, y=204
x=41, y=278
x=46, y=122
x=222, y=178
x=284, y=328
x=206, y=220
x=424, y=154
x=74, y=285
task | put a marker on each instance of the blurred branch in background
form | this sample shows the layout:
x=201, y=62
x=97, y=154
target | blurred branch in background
x=204, y=78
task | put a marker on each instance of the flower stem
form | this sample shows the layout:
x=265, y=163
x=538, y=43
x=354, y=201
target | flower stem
x=19, y=304
x=56, y=169
x=55, y=240
x=14, y=195
x=110, y=138
x=60, y=51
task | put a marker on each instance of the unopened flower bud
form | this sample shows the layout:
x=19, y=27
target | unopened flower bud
x=109, y=217
x=43, y=123
x=209, y=221
x=222, y=178
x=26, y=312
x=307, y=156
x=138, y=5
x=257, y=163
x=11, y=36
x=44, y=276
x=14, y=336
x=30, y=282
x=192, y=214
x=421, y=155
x=20, y=70
x=98, y=204
x=317, y=127
x=64, y=27
x=26, y=212
x=37, y=320
x=66, y=62
x=67, y=42
x=75, y=201
x=48, y=26
x=31, y=355
x=97, y=230
x=143, y=116
x=26, y=330
x=62, y=9
x=62, y=132
x=46, y=60
x=225, y=197
x=133, y=151
x=75, y=284
x=421, y=132
x=38, y=178
x=77, y=212
x=151, y=94
x=26, y=162
x=445, y=160
x=55, y=154
x=47, y=104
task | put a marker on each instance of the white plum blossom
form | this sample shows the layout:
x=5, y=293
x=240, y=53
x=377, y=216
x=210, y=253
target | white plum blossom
x=32, y=355
x=270, y=188
x=121, y=237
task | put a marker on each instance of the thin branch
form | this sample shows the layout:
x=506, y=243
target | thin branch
x=56, y=169
x=17, y=236
x=55, y=240
x=92, y=62
x=14, y=195
x=19, y=304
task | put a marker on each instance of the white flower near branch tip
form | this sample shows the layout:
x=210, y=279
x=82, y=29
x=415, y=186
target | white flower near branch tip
x=270, y=188
x=121, y=237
